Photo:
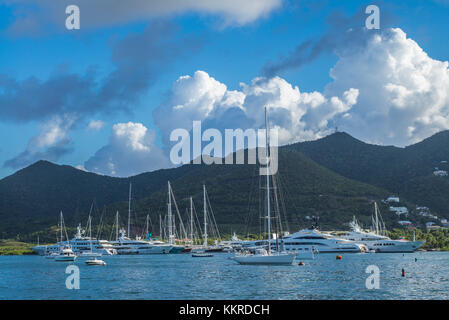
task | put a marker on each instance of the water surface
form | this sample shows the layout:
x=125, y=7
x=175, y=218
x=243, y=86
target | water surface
x=183, y=277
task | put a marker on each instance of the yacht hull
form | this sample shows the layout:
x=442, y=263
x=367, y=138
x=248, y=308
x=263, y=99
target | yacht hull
x=65, y=259
x=284, y=259
x=394, y=246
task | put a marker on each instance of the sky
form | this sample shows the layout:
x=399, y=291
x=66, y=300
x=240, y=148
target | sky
x=105, y=97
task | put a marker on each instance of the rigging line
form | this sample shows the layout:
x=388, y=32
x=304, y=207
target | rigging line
x=179, y=215
x=197, y=221
x=277, y=180
x=100, y=227
x=112, y=230
x=250, y=197
x=277, y=217
x=212, y=217
x=288, y=195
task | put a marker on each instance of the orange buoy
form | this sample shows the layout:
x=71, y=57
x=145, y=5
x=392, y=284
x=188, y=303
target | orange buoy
x=339, y=257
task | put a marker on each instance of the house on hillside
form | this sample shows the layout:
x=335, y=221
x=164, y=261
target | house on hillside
x=399, y=210
x=405, y=223
x=392, y=199
x=440, y=173
x=432, y=226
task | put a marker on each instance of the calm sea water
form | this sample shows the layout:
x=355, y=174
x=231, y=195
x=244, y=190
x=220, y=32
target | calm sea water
x=184, y=277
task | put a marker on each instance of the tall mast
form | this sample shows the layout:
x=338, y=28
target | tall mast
x=90, y=233
x=129, y=209
x=191, y=219
x=170, y=219
x=146, y=233
x=160, y=227
x=61, y=226
x=267, y=154
x=205, y=215
x=116, y=226
x=376, y=218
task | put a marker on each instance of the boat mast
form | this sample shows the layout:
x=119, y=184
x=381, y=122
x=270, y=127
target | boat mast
x=116, y=226
x=170, y=219
x=129, y=209
x=191, y=220
x=205, y=216
x=376, y=218
x=267, y=154
x=160, y=227
x=148, y=216
x=90, y=233
x=61, y=226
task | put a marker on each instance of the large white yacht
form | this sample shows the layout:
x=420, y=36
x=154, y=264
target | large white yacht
x=379, y=243
x=79, y=244
x=311, y=240
x=125, y=245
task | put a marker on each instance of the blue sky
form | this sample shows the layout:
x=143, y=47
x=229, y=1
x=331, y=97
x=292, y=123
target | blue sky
x=231, y=44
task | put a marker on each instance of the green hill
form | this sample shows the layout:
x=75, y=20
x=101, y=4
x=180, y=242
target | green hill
x=31, y=199
x=407, y=172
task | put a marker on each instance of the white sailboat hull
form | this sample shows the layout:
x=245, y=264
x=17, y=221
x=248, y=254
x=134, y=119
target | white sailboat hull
x=282, y=259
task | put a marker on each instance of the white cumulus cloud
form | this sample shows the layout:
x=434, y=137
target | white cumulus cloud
x=95, y=125
x=131, y=150
x=403, y=93
x=297, y=115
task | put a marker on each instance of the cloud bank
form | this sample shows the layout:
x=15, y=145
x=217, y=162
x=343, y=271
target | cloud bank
x=35, y=16
x=131, y=150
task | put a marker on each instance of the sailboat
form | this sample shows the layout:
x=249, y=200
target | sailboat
x=266, y=256
x=94, y=261
x=90, y=253
x=65, y=250
x=176, y=248
x=205, y=252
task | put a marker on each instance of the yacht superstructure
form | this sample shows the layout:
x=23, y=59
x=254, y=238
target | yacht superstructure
x=377, y=241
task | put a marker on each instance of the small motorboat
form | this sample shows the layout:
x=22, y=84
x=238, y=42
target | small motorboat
x=95, y=262
x=65, y=254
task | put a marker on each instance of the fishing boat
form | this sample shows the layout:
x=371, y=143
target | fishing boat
x=267, y=256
